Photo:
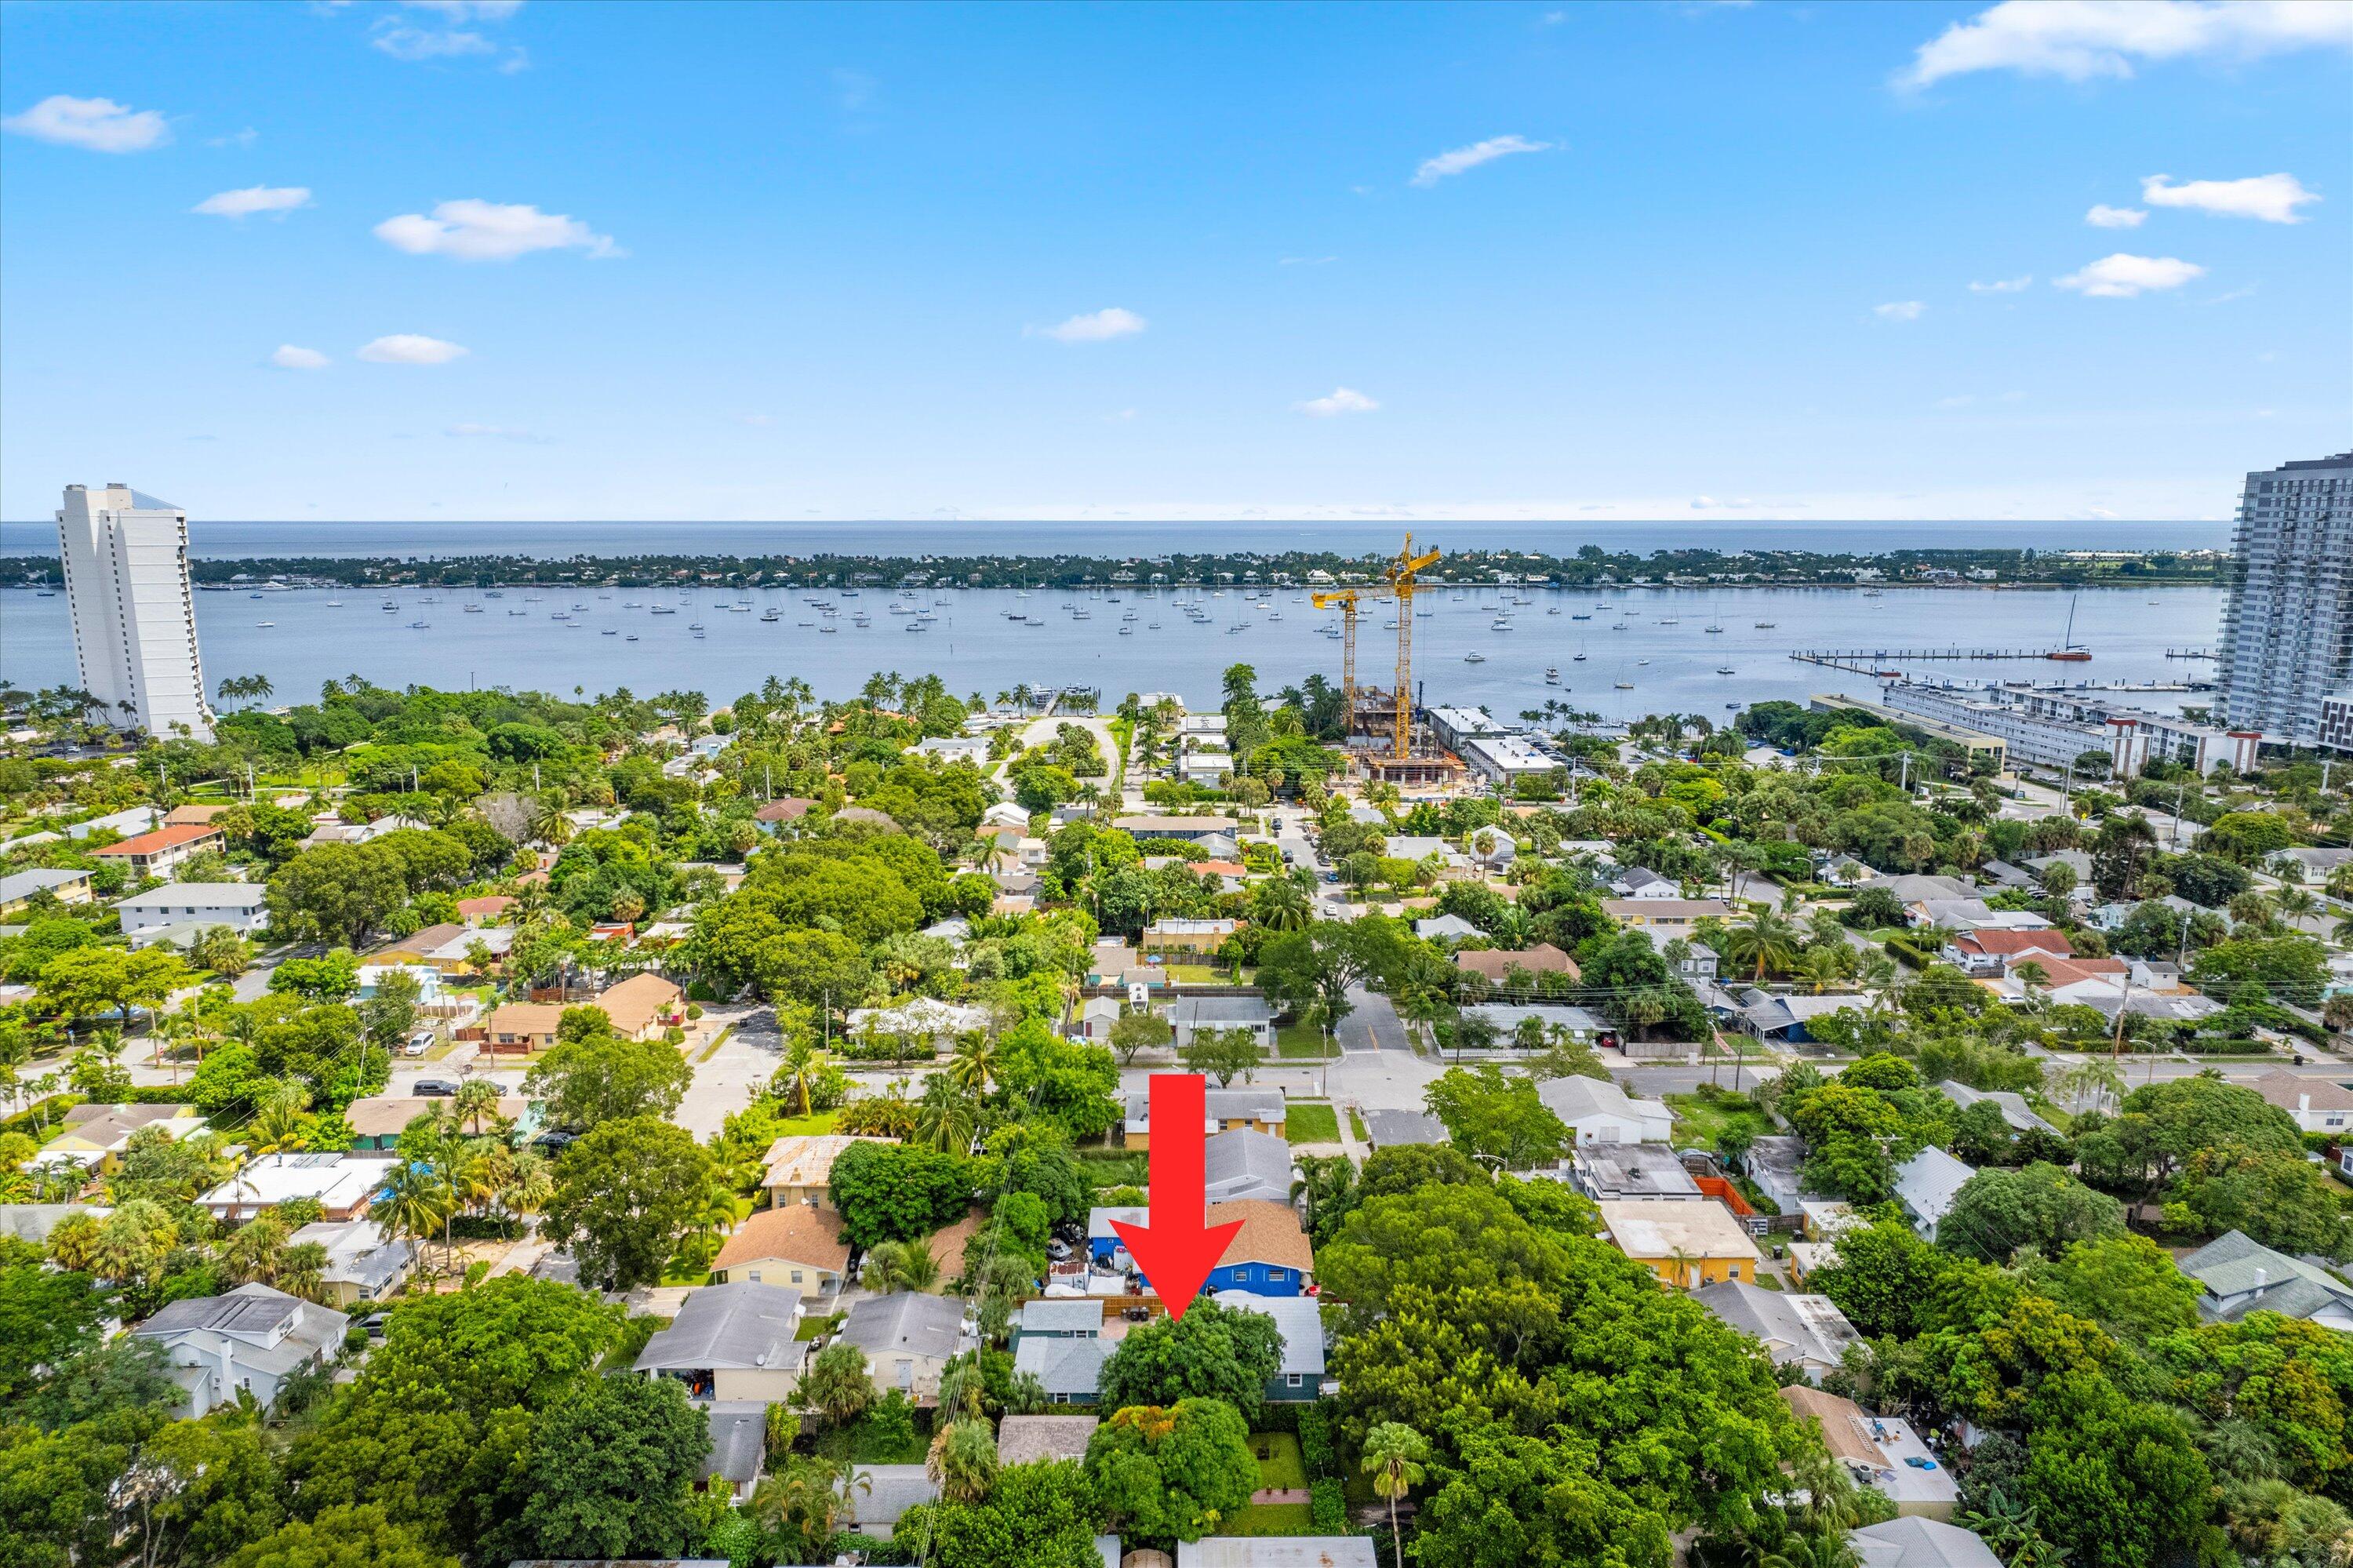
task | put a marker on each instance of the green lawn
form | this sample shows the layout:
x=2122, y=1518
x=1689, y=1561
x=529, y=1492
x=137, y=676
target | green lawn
x=1312, y=1122
x=1283, y=1468
x=1114, y=1168
x=1356, y=1125
x=1700, y=1122
x=801, y=1125
x=1298, y=1042
x=1272, y=1518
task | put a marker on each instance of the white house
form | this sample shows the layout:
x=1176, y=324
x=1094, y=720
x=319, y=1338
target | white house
x=1600, y=1112
x=242, y=907
x=253, y=1338
x=1640, y=881
x=343, y=1183
x=1926, y=1185
x=2318, y=1105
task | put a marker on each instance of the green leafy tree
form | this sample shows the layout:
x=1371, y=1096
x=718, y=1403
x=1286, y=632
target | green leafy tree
x=611, y=1471
x=597, y=1077
x=897, y=1191
x=1211, y=1352
x=837, y=1385
x=626, y=1195
x=2038, y=1209
x=1172, y=1473
x=337, y=892
x=1497, y=1119
x=362, y=1537
x=1039, y=1515
x=1223, y=1054
x=1393, y=1456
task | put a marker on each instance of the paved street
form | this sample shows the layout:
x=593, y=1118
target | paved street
x=736, y=1071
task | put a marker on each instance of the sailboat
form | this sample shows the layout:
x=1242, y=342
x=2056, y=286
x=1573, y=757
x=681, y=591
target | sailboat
x=2067, y=651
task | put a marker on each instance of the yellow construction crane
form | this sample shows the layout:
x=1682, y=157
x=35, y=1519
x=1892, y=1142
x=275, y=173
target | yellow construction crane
x=1400, y=579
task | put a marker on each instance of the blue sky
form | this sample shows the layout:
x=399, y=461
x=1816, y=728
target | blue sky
x=1679, y=262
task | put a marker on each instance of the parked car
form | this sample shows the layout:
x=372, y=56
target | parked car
x=435, y=1088
x=418, y=1043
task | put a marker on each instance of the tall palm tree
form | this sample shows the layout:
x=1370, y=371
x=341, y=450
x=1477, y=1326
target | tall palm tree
x=1766, y=942
x=415, y=1201
x=803, y=1068
x=549, y=825
x=476, y=1101
x=973, y=1064
x=1393, y=1456
x=963, y=1460
x=1682, y=1260
x=530, y=1184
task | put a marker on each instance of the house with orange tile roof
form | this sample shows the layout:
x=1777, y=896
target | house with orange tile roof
x=519, y=1028
x=157, y=853
x=642, y=1006
x=798, y=1245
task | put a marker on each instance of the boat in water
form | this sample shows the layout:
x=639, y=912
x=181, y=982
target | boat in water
x=1474, y=657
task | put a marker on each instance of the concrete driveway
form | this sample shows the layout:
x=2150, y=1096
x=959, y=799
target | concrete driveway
x=736, y=1073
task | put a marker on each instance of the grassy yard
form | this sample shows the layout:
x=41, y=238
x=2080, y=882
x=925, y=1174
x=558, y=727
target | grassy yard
x=807, y=1125
x=1700, y=1122
x=1312, y=1121
x=1298, y=1042
x=1272, y=1518
x=1201, y=974
x=1114, y=1168
x=1281, y=1467
x=1356, y=1125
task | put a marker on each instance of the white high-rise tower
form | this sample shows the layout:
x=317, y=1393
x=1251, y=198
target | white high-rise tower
x=134, y=617
x=2287, y=637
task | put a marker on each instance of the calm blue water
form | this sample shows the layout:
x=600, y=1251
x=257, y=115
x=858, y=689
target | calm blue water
x=974, y=647
x=220, y=540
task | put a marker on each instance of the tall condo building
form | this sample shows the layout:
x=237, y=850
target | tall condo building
x=2287, y=637
x=135, y=618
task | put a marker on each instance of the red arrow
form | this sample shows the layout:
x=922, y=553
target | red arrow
x=1179, y=1247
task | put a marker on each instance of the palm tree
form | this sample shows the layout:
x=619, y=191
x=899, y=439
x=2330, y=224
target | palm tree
x=530, y=1184
x=973, y=1064
x=1393, y=1456
x=1682, y=1260
x=476, y=1099
x=945, y=1119
x=2094, y=1078
x=1823, y=967
x=836, y=1384
x=963, y=1460
x=415, y=1201
x=1767, y=941
x=803, y=1068
x=2294, y=903
x=549, y=825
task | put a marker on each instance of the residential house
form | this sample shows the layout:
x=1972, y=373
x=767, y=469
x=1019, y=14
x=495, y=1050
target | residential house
x=1096, y=1015
x=908, y=1337
x=1190, y=827
x=2015, y=1111
x=917, y=1018
x=798, y=1244
x=1277, y=1552
x=1642, y=883
x=1926, y=1185
x=1027, y=1439
x=1596, y=1110
x=330, y=829
x=1910, y=1541
x=32, y=1223
x=343, y=1185
x=17, y=888
x=132, y=820
x=1110, y=960
x=2238, y=1274
x=1913, y=889
x=1390, y=1128
x=1170, y=935
x=1576, y=1022
x=1882, y=1452
x=1299, y=1374
x=1789, y=1019
x=519, y=1028
x=252, y=1339
x=1262, y=1110
x=377, y=1121
x=1270, y=1255
x=147, y=917
x=1191, y=1014
x=1773, y=1162
x=364, y=1262
x=2010, y=878
x=1497, y=963
x=160, y=852
x=972, y=748
x=1674, y=917
x=427, y=978
x=1685, y=1245
x=642, y=1006
x=1808, y=1332
x=732, y=1341
x=1993, y=951
x=882, y=1496
x=487, y=910
x=1057, y=1317
x=424, y=945
x=738, y=1455
x=99, y=1129
x=800, y=1166
x=1070, y=1369
x=2317, y=1104
x=773, y=814
x=1453, y=865
x=1622, y=1173
x=1246, y=1163
x=1697, y=962
x=1445, y=927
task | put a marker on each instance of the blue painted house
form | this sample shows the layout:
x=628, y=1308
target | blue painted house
x=1270, y=1255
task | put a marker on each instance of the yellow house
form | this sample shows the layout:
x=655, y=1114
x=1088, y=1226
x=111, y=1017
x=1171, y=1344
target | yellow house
x=1686, y=1243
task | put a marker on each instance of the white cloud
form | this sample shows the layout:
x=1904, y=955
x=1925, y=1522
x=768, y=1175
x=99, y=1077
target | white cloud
x=1710, y=504
x=1308, y=260
x=278, y=200
x=1101, y=326
x=1343, y=400
x=469, y=10
x=488, y=231
x=402, y=42
x=98, y=124
x=2004, y=285
x=455, y=37
x=2120, y=277
x=245, y=138
x=290, y=357
x=2105, y=217
x=410, y=348
x=2080, y=39
x=1433, y=170
x=2273, y=199
x=1899, y=310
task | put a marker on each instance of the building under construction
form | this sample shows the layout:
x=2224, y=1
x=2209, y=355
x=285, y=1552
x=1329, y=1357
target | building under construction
x=1384, y=739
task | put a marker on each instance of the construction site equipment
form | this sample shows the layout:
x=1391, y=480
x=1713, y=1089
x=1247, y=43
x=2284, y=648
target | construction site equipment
x=1400, y=579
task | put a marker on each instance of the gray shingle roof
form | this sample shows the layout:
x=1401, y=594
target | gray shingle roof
x=1794, y=1328
x=908, y=1322
x=891, y=1491
x=1023, y=1438
x=1069, y=1368
x=1915, y=1543
x=1064, y=1315
x=1300, y=1322
x=2235, y=1265
x=739, y=1439
x=743, y=1326
x=1247, y=1163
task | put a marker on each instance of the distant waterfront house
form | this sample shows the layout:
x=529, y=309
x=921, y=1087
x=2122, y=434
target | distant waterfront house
x=735, y=1341
x=253, y=1338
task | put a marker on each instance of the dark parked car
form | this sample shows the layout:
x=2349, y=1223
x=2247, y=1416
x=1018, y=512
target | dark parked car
x=435, y=1088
